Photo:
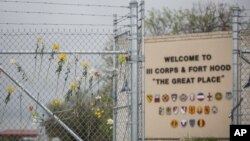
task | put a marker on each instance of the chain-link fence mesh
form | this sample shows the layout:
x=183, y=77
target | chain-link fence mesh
x=124, y=94
x=69, y=72
x=244, y=46
x=75, y=87
x=56, y=83
x=122, y=108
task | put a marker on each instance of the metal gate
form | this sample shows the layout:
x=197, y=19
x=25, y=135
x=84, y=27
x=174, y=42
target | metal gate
x=73, y=84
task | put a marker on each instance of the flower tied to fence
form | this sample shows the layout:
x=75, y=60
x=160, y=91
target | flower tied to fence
x=55, y=48
x=85, y=65
x=73, y=88
x=19, y=68
x=62, y=59
x=10, y=90
x=122, y=58
x=39, y=41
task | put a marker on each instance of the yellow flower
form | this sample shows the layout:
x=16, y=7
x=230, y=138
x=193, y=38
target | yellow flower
x=56, y=102
x=98, y=113
x=11, y=89
x=39, y=39
x=62, y=57
x=121, y=58
x=73, y=86
x=55, y=47
x=85, y=64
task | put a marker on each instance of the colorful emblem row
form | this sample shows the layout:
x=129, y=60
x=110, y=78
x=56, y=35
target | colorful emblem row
x=190, y=109
x=184, y=97
x=191, y=122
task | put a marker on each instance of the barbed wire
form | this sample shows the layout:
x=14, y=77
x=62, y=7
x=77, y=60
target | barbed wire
x=56, y=13
x=63, y=4
x=122, y=19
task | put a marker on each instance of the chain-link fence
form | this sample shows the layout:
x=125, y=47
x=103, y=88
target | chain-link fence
x=123, y=108
x=74, y=86
x=68, y=84
x=241, y=41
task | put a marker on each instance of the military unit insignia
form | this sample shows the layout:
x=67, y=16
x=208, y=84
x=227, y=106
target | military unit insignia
x=192, y=97
x=175, y=110
x=174, y=123
x=214, y=109
x=218, y=96
x=183, y=109
x=168, y=111
x=157, y=98
x=206, y=110
x=229, y=95
x=149, y=98
x=192, y=122
x=183, y=123
x=161, y=111
x=191, y=109
x=199, y=110
x=200, y=96
x=183, y=97
x=174, y=97
x=210, y=97
x=165, y=98
x=201, y=123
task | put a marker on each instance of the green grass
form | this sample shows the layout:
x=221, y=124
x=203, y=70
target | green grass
x=200, y=139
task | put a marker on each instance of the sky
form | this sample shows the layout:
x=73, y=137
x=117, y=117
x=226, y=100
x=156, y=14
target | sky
x=176, y=4
x=12, y=17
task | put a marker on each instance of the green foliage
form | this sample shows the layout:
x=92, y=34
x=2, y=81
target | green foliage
x=83, y=117
x=201, y=18
x=200, y=139
x=9, y=139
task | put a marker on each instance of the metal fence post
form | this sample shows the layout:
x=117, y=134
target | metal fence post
x=236, y=51
x=114, y=78
x=143, y=68
x=134, y=69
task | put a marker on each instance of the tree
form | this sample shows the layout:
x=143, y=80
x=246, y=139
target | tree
x=200, y=18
